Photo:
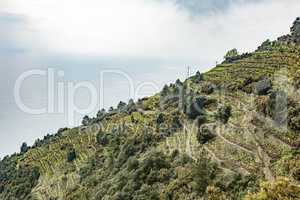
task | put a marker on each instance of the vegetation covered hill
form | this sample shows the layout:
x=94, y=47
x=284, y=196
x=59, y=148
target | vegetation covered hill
x=231, y=133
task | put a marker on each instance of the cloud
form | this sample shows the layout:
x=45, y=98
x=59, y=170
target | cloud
x=153, y=29
x=210, y=7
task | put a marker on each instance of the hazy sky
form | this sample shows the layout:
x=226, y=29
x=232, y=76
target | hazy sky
x=153, y=41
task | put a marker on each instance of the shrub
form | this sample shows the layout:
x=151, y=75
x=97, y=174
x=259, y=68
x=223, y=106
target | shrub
x=61, y=130
x=282, y=189
x=224, y=113
x=131, y=107
x=203, y=172
x=178, y=83
x=198, y=77
x=176, y=123
x=102, y=138
x=121, y=106
x=24, y=147
x=196, y=108
x=160, y=119
x=231, y=54
x=165, y=91
x=101, y=113
x=132, y=163
x=207, y=88
x=71, y=156
x=86, y=120
x=146, y=193
x=201, y=120
x=204, y=135
x=294, y=118
x=215, y=193
x=17, y=181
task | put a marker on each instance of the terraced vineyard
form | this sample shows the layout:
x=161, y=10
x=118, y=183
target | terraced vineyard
x=231, y=133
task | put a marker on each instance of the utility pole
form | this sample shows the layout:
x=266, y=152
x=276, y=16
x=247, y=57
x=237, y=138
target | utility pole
x=188, y=71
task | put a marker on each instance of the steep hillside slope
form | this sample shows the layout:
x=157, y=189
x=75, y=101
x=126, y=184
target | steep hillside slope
x=231, y=133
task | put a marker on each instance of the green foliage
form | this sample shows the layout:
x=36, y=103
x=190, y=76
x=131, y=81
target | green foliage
x=224, y=113
x=203, y=172
x=195, y=108
x=197, y=78
x=295, y=29
x=160, y=119
x=131, y=107
x=102, y=138
x=204, y=135
x=231, y=53
x=121, y=106
x=142, y=152
x=16, y=182
x=24, y=147
x=207, y=88
x=86, y=120
x=165, y=90
x=282, y=189
x=294, y=118
x=176, y=123
x=71, y=156
x=101, y=114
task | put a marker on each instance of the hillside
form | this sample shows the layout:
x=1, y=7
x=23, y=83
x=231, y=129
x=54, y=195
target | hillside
x=230, y=133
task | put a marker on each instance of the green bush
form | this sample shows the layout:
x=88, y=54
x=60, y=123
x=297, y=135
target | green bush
x=231, y=54
x=160, y=119
x=203, y=173
x=102, y=138
x=195, y=108
x=224, y=113
x=204, y=135
x=86, y=120
x=71, y=156
x=24, y=147
x=16, y=182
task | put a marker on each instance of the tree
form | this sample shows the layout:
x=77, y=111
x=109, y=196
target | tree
x=101, y=113
x=71, y=155
x=131, y=107
x=194, y=108
x=24, y=147
x=203, y=172
x=165, y=90
x=160, y=119
x=224, y=113
x=111, y=109
x=121, y=106
x=178, y=82
x=282, y=189
x=176, y=123
x=231, y=53
x=204, y=135
x=86, y=120
x=102, y=138
x=198, y=77
x=207, y=88
x=295, y=29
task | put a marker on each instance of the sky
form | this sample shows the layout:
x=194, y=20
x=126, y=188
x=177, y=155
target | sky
x=138, y=46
